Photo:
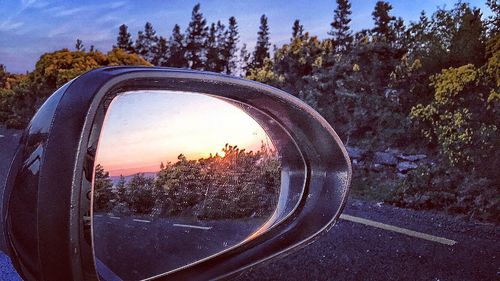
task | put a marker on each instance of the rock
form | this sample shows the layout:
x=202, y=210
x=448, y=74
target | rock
x=412, y=157
x=401, y=176
x=392, y=151
x=390, y=93
x=405, y=166
x=377, y=167
x=355, y=152
x=358, y=164
x=384, y=158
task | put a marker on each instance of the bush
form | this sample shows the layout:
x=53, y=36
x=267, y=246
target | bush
x=445, y=188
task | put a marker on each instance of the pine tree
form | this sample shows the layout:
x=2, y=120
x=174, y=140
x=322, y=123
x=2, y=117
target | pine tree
x=262, y=48
x=102, y=189
x=244, y=60
x=79, y=45
x=220, y=38
x=147, y=43
x=124, y=39
x=212, y=50
x=297, y=29
x=161, y=55
x=177, y=49
x=467, y=44
x=121, y=189
x=383, y=30
x=494, y=20
x=196, y=37
x=230, y=46
x=341, y=33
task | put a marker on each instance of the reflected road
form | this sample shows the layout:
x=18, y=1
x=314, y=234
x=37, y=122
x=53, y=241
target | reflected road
x=141, y=247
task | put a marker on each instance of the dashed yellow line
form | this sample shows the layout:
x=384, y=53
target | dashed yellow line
x=401, y=230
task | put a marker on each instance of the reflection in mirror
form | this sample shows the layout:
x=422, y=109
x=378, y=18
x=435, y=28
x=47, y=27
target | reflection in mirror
x=178, y=177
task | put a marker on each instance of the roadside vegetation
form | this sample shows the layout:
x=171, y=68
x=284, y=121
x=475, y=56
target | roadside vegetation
x=430, y=87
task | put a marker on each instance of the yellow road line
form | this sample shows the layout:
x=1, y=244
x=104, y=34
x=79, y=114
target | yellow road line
x=401, y=230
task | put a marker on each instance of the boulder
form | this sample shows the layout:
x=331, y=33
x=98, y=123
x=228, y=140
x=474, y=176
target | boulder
x=377, y=167
x=355, y=153
x=405, y=166
x=384, y=158
x=412, y=157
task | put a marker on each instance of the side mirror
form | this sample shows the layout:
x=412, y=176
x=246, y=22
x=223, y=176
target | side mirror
x=130, y=173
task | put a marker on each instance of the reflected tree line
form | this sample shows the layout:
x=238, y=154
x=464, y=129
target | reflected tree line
x=236, y=184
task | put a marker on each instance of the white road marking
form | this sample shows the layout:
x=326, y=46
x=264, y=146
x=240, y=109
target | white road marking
x=401, y=230
x=115, y=218
x=98, y=216
x=138, y=220
x=193, y=226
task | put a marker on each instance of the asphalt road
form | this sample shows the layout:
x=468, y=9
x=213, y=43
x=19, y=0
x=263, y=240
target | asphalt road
x=134, y=248
x=372, y=242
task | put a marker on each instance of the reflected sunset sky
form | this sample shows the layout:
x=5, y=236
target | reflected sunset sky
x=144, y=128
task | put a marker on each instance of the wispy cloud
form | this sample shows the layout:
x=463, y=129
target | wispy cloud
x=63, y=11
x=27, y=3
x=116, y=5
x=36, y=4
x=70, y=12
x=9, y=25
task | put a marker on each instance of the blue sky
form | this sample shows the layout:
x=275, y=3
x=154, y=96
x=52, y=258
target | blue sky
x=29, y=28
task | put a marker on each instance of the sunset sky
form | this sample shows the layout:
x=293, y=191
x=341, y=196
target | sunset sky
x=142, y=129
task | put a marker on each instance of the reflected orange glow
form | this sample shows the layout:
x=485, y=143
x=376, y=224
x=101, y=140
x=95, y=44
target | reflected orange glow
x=144, y=128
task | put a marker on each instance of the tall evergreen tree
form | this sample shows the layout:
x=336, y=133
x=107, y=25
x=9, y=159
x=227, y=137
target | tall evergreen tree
x=212, y=50
x=196, y=37
x=297, y=29
x=177, y=49
x=383, y=30
x=147, y=43
x=124, y=39
x=494, y=20
x=121, y=189
x=467, y=44
x=261, y=51
x=342, y=35
x=79, y=45
x=221, y=38
x=230, y=46
x=244, y=60
x=102, y=189
x=161, y=55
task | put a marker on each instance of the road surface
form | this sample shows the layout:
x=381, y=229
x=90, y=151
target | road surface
x=373, y=241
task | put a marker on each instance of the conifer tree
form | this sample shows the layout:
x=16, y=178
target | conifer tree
x=261, y=51
x=121, y=189
x=79, y=45
x=244, y=60
x=161, y=55
x=221, y=38
x=177, y=49
x=124, y=39
x=212, y=50
x=341, y=32
x=196, y=33
x=297, y=29
x=383, y=30
x=147, y=43
x=467, y=44
x=230, y=46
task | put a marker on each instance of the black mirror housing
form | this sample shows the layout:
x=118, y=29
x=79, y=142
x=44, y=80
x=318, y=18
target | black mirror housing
x=46, y=208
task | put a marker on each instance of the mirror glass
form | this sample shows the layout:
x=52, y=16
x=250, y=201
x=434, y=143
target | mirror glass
x=178, y=177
